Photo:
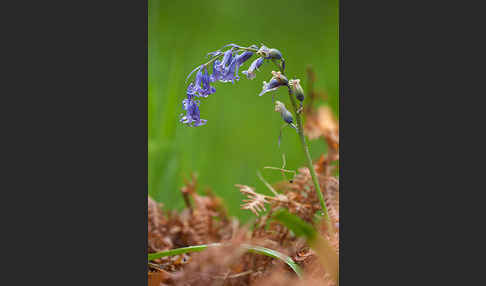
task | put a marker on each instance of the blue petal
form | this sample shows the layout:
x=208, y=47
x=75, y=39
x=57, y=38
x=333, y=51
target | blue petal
x=227, y=58
x=192, y=117
x=216, y=71
x=250, y=73
x=243, y=57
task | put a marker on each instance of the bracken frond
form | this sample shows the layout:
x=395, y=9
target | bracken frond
x=255, y=203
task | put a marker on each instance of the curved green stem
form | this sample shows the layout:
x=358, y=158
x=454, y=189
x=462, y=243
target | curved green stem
x=309, y=162
x=248, y=247
x=248, y=49
x=300, y=130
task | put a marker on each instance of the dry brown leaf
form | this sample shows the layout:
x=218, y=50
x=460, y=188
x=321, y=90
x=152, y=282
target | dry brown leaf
x=322, y=123
x=255, y=202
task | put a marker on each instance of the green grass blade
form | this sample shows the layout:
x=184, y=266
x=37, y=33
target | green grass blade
x=250, y=248
x=275, y=254
x=176, y=251
x=296, y=224
x=325, y=252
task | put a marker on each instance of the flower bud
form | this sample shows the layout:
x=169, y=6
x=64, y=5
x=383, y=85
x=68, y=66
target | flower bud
x=274, y=54
x=277, y=80
x=280, y=77
x=263, y=51
x=286, y=115
x=279, y=106
x=297, y=89
x=267, y=53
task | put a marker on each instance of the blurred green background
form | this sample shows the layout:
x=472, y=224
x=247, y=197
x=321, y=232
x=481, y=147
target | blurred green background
x=241, y=134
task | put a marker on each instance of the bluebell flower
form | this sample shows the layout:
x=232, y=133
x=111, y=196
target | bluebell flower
x=296, y=89
x=250, y=73
x=191, y=91
x=224, y=70
x=227, y=58
x=264, y=51
x=229, y=71
x=243, y=57
x=225, y=67
x=268, y=53
x=191, y=106
x=217, y=73
x=274, y=54
x=272, y=85
x=275, y=82
x=192, y=117
x=204, y=79
x=286, y=115
x=197, y=81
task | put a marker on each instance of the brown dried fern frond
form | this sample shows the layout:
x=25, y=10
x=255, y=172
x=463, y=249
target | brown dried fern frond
x=218, y=265
x=323, y=123
x=189, y=189
x=199, y=225
x=157, y=239
x=206, y=221
x=255, y=202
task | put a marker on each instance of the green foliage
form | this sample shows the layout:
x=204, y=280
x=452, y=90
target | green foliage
x=242, y=130
x=298, y=226
x=250, y=248
x=325, y=252
x=276, y=254
x=177, y=251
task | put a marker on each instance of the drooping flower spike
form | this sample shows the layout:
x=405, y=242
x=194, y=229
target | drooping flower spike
x=225, y=65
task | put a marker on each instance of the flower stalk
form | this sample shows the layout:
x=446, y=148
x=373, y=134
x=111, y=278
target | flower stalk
x=310, y=165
